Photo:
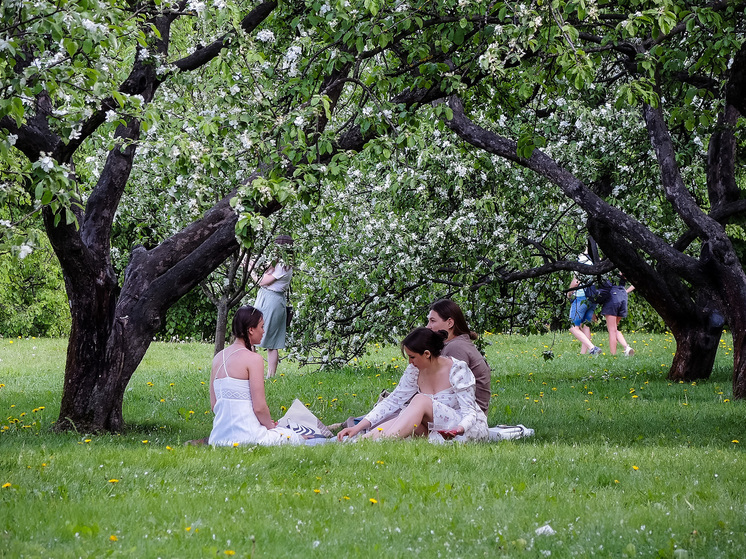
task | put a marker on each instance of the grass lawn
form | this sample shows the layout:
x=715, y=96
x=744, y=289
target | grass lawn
x=624, y=464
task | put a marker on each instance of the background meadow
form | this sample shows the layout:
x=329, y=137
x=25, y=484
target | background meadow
x=624, y=463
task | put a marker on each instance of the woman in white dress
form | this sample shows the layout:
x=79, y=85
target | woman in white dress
x=237, y=389
x=441, y=390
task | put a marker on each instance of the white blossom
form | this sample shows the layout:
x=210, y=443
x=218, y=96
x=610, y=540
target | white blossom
x=46, y=163
x=24, y=251
x=266, y=36
x=196, y=6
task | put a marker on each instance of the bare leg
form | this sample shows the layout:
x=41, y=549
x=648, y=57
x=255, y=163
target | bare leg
x=412, y=419
x=619, y=335
x=586, y=344
x=377, y=431
x=273, y=357
x=611, y=327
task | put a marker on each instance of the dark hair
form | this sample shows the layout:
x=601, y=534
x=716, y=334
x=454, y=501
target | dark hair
x=420, y=340
x=246, y=317
x=448, y=309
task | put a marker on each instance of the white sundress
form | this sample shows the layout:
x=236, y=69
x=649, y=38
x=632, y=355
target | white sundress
x=456, y=405
x=235, y=421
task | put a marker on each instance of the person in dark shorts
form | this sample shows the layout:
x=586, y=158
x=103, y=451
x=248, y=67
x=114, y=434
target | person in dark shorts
x=614, y=310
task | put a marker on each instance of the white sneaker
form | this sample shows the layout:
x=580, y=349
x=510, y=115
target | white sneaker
x=628, y=351
x=595, y=351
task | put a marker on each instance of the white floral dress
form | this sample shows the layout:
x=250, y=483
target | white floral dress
x=456, y=405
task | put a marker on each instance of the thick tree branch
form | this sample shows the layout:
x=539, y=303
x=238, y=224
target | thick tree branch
x=573, y=189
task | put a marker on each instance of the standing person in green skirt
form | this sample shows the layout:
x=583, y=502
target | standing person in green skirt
x=272, y=301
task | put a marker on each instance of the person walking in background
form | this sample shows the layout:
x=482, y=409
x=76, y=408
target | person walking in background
x=614, y=310
x=272, y=301
x=581, y=314
x=447, y=315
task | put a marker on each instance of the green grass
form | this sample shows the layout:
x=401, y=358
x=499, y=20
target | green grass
x=624, y=463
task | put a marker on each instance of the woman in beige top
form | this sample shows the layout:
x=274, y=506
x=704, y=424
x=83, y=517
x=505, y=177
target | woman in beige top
x=447, y=315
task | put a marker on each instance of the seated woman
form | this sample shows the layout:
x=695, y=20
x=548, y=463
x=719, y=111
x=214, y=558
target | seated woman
x=447, y=315
x=237, y=389
x=440, y=390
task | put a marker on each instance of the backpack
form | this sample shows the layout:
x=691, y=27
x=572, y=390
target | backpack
x=598, y=295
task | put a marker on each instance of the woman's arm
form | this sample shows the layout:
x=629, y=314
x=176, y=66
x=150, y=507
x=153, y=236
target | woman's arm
x=256, y=387
x=352, y=431
x=268, y=278
x=463, y=382
x=213, y=370
x=573, y=284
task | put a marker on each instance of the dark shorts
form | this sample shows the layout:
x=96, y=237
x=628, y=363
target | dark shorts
x=617, y=303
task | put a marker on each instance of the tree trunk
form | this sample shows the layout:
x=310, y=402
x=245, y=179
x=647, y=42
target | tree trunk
x=739, y=364
x=111, y=331
x=222, y=325
x=696, y=348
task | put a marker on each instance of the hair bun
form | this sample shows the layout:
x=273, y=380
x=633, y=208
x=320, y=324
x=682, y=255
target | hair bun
x=443, y=334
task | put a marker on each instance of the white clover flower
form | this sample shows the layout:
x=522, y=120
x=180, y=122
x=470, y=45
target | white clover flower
x=266, y=36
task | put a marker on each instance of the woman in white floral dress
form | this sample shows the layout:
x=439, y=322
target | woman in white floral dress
x=440, y=390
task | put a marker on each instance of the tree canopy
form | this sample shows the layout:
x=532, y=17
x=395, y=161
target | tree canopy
x=456, y=144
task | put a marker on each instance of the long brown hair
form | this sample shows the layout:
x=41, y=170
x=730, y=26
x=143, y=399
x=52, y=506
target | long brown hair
x=246, y=317
x=420, y=340
x=448, y=309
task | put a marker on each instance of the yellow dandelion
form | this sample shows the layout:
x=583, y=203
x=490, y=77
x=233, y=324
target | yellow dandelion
x=235, y=444
x=6, y=485
x=733, y=441
x=113, y=538
x=616, y=481
x=229, y=552
x=635, y=468
x=317, y=490
x=113, y=481
x=346, y=498
x=188, y=528
x=373, y=501
x=87, y=440
x=169, y=448
x=145, y=441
